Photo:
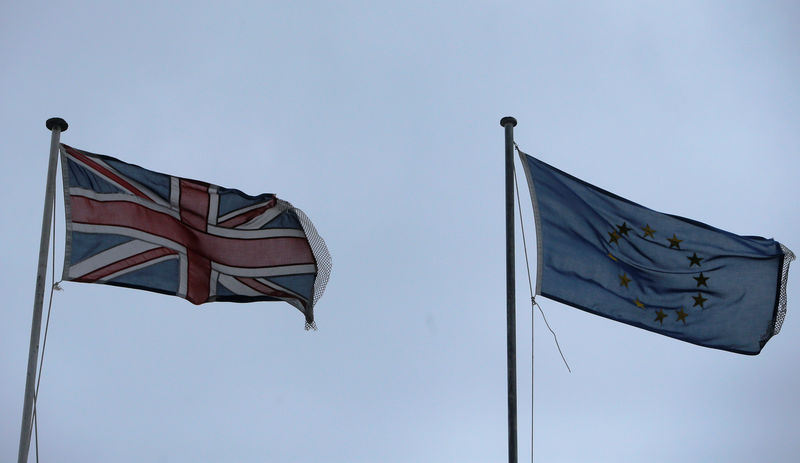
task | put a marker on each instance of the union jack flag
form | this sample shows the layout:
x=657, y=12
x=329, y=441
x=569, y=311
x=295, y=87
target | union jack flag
x=129, y=226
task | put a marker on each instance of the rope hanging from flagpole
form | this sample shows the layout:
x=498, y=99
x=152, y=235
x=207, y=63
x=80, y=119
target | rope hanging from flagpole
x=533, y=299
x=530, y=284
x=54, y=286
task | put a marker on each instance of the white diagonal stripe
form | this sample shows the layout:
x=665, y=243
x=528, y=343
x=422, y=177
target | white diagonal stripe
x=150, y=194
x=261, y=219
x=278, y=287
x=139, y=266
x=255, y=234
x=242, y=210
x=264, y=271
x=237, y=287
x=133, y=233
x=110, y=256
x=77, y=191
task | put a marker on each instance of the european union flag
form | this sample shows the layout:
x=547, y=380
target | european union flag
x=674, y=276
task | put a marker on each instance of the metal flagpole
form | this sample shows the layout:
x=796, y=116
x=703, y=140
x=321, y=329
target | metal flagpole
x=56, y=125
x=511, y=324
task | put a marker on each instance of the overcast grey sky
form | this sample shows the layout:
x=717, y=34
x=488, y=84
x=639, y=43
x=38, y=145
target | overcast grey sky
x=381, y=122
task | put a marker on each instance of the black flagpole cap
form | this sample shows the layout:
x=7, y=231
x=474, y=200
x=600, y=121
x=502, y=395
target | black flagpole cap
x=503, y=122
x=56, y=122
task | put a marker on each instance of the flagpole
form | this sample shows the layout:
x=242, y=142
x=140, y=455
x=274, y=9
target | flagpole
x=56, y=125
x=511, y=324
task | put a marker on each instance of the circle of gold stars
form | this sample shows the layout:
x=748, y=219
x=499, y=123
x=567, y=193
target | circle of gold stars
x=622, y=231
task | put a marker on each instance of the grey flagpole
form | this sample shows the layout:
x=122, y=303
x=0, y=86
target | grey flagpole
x=56, y=125
x=511, y=323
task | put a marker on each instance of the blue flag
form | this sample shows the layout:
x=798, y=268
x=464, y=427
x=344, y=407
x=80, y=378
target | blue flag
x=678, y=277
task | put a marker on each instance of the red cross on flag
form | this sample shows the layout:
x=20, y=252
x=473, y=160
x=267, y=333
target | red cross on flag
x=129, y=226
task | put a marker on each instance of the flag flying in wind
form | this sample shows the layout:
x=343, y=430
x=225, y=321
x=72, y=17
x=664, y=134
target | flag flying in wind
x=129, y=226
x=678, y=277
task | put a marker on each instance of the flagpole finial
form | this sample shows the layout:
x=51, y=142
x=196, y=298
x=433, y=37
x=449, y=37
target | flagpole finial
x=56, y=122
x=503, y=122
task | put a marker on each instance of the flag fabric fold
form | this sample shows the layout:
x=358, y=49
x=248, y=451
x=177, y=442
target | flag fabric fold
x=674, y=276
x=132, y=227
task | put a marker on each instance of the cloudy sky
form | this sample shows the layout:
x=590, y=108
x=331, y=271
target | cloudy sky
x=381, y=122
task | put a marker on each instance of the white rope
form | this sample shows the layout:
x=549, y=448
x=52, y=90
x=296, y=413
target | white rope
x=533, y=301
x=530, y=287
x=528, y=267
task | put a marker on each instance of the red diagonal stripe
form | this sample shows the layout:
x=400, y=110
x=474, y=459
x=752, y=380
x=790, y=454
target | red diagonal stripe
x=244, y=217
x=264, y=289
x=91, y=163
x=125, y=263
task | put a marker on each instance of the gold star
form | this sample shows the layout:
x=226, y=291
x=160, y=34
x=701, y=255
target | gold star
x=649, y=231
x=701, y=280
x=612, y=257
x=682, y=316
x=660, y=316
x=699, y=300
x=624, y=280
x=674, y=242
x=623, y=229
x=638, y=303
x=694, y=260
x=614, y=237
